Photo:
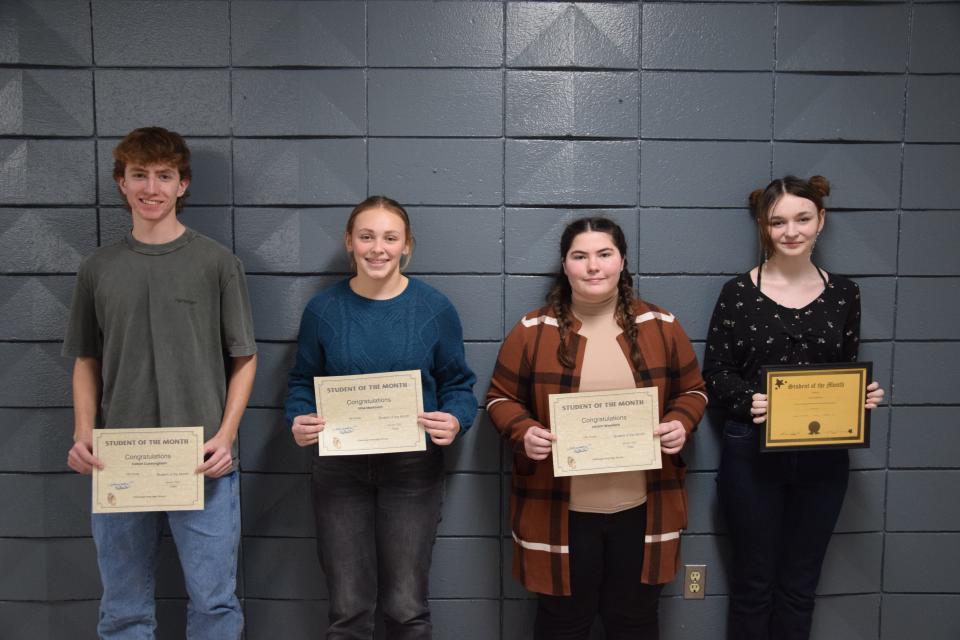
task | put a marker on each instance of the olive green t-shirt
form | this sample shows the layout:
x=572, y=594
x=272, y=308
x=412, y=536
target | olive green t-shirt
x=163, y=319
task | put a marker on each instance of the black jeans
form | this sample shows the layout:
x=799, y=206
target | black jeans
x=377, y=518
x=606, y=558
x=780, y=509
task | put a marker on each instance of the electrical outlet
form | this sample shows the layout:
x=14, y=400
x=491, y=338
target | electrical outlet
x=694, y=581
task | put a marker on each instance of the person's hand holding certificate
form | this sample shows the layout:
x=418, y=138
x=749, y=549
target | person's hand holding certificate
x=605, y=431
x=371, y=413
x=152, y=469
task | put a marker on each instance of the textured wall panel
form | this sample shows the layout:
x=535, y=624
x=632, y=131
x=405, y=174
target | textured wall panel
x=940, y=619
x=46, y=433
x=706, y=105
x=934, y=45
x=863, y=504
x=435, y=102
x=34, y=375
x=926, y=243
x=303, y=102
x=854, y=617
x=274, y=361
x=42, y=32
x=266, y=444
x=471, y=504
x=283, y=568
x=435, y=34
x=278, y=303
x=563, y=103
x=816, y=107
x=26, y=167
x=546, y=34
x=189, y=102
x=689, y=298
x=274, y=33
x=571, y=172
x=29, y=620
x=32, y=569
x=707, y=37
x=906, y=551
x=45, y=240
x=471, y=296
x=697, y=174
x=292, y=240
x=841, y=38
x=475, y=246
x=477, y=450
x=46, y=102
x=662, y=231
x=928, y=308
x=877, y=304
x=437, y=171
x=193, y=33
x=924, y=437
x=933, y=104
x=277, y=505
x=874, y=457
x=299, y=171
x=49, y=505
x=533, y=243
x=863, y=176
x=928, y=173
x=859, y=242
x=853, y=564
x=34, y=307
x=455, y=557
x=922, y=372
x=915, y=501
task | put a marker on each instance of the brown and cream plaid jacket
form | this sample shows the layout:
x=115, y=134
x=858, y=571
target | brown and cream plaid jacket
x=527, y=371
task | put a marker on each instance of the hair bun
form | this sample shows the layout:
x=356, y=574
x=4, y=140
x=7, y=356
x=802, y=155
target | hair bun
x=821, y=185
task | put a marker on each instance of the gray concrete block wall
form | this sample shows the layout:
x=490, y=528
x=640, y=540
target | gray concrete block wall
x=496, y=122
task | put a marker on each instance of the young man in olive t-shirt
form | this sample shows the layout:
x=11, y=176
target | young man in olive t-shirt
x=161, y=330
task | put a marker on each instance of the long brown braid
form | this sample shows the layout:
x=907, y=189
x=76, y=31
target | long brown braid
x=560, y=294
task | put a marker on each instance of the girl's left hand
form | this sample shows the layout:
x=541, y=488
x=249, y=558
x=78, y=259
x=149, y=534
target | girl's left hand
x=874, y=395
x=672, y=436
x=441, y=427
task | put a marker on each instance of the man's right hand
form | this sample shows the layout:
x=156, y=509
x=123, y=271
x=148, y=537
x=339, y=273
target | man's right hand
x=80, y=458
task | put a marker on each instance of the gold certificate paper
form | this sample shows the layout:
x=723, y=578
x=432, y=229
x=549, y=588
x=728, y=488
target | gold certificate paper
x=605, y=431
x=152, y=469
x=817, y=406
x=371, y=413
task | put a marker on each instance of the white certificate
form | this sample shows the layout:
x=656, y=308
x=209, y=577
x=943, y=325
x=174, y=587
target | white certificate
x=370, y=413
x=605, y=431
x=151, y=469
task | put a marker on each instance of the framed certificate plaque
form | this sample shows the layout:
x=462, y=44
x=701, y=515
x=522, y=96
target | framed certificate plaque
x=817, y=406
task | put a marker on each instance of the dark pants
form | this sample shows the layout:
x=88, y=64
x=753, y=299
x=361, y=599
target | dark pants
x=606, y=559
x=780, y=509
x=376, y=521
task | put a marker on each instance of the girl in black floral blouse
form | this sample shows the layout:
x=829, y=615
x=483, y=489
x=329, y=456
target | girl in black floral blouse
x=780, y=508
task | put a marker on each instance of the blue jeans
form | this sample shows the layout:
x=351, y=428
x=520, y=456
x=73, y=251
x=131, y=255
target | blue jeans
x=780, y=509
x=377, y=518
x=207, y=543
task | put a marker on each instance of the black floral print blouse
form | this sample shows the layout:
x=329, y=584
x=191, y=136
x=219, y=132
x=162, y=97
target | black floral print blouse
x=749, y=330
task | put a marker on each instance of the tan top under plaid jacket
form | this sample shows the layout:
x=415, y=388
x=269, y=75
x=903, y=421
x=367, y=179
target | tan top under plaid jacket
x=527, y=371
